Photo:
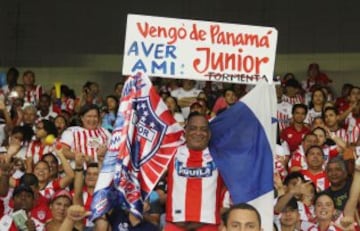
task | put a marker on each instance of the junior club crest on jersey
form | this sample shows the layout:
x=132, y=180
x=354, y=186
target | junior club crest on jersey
x=150, y=131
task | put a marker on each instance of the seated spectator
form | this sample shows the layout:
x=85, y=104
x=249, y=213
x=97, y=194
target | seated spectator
x=318, y=99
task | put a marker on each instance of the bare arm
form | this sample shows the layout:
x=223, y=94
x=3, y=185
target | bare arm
x=79, y=180
x=69, y=173
x=68, y=153
x=5, y=167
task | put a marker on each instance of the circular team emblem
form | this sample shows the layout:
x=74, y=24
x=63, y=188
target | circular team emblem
x=41, y=215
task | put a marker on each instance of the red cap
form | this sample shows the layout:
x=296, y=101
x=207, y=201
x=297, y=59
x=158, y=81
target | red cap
x=62, y=193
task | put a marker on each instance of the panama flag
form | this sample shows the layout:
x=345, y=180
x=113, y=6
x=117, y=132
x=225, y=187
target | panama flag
x=144, y=139
x=241, y=145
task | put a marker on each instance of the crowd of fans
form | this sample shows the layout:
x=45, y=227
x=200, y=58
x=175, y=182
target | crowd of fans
x=318, y=136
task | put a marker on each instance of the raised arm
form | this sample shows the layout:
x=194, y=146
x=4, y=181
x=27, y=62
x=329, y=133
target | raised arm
x=69, y=173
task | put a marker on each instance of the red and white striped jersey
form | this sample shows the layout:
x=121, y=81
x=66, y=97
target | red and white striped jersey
x=307, y=213
x=283, y=114
x=298, y=158
x=68, y=105
x=320, y=179
x=353, y=133
x=194, y=187
x=341, y=133
x=36, y=150
x=49, y=191
x=33, y=95
x=85, y=141
x=293, y=100
x=87, y=199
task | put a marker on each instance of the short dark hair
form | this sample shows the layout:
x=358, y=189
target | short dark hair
x=243, y=206
x=292, y=204
x=299, y=105
x=88, y=107
x=334, y=109
x=52, y=155
x=29, y=179
x=338, y=160
x=323, y=193
x=50, y=127
x=293, y=175
x=312, y=147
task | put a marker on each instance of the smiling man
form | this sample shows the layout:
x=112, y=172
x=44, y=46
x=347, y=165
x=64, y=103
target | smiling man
x=194, y=184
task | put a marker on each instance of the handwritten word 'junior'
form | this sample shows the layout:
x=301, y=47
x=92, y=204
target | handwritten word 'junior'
x=241, y=78
x=238, y=39
x=221, y=61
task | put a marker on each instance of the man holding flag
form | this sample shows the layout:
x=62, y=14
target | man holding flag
x=146, y=141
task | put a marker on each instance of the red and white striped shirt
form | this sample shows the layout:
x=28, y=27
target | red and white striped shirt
x=194, y=188
x=84, y=140
x=33, y=95
x=341, y=133
x=320, y=179
x=293, y=100
x=283, y=114
x=307, y=213
x=50, y=189
x=36, y=150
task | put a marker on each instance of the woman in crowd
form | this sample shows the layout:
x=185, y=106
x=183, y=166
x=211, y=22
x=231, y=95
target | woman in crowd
x=89, y=139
